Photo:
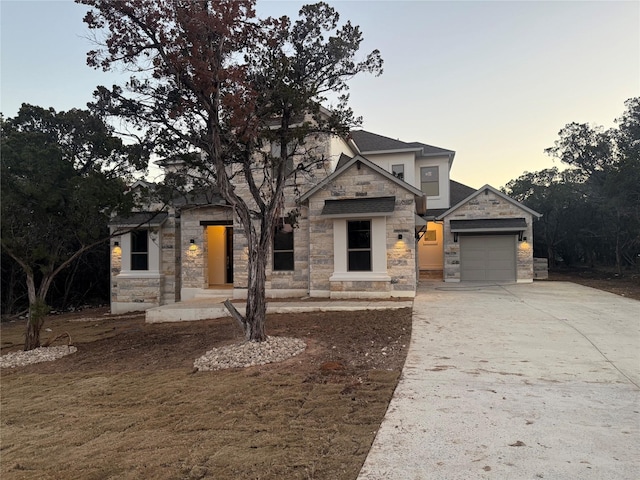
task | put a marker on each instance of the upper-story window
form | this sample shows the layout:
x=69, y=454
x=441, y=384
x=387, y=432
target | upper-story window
x=429, y=181
x=276, y=152
x=398, y=171
x=140, y=250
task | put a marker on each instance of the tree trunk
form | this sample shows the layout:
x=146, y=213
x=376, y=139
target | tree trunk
x=37, y=312
x=618, y=254
x=256, y=311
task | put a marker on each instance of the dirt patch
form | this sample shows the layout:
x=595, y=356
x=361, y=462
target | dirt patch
x=625, y=285
x=127, y=405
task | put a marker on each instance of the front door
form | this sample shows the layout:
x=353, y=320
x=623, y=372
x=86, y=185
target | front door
x=220, y=258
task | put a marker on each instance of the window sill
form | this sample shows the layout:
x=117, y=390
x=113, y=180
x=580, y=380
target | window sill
x=360, y=277
x=139, y=274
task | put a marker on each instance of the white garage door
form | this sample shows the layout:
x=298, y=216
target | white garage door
x=488, y=258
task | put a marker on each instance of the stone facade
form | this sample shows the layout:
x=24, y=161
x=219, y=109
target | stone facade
x=185, y=265
x=489, y=205
x=133, y=290
x=194, y=262
x=399, y=261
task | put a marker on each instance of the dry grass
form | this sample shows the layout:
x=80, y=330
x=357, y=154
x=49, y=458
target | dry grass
x=119, y=409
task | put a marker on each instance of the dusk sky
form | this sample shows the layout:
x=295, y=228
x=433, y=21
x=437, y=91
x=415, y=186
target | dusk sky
x=494, y=81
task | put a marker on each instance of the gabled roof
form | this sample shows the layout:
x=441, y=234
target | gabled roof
x=368, y=142
x=420, y=197
x=428, y=150
x=457, y=192
x=496, y=192
x=344, y=158
x=372, y=142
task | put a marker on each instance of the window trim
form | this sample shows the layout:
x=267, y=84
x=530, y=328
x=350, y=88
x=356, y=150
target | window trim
x=379, y=248
x=281, y=226
x=140, y=255
x=431, y=182
x=276, y=153
x=354, y=250
x=399, y=175
x=153, y=259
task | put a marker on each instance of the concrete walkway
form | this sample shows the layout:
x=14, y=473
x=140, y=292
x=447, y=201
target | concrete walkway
x=529, y=381
x=204, y=308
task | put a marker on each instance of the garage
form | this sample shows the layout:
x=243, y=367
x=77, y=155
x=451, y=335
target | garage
x=488, y=258
x=488, y=237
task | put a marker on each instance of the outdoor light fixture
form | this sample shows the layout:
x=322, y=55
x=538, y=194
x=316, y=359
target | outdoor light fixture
x=399, y=236
x=116, y=244
x=192, y=241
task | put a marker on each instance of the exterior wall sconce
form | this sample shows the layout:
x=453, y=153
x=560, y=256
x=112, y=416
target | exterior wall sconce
x=192, y=241
x=116, y=244
x=192, y=245
x=399, y=236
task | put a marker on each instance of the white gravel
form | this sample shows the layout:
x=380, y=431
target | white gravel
x=37, y=355
x=249, y=354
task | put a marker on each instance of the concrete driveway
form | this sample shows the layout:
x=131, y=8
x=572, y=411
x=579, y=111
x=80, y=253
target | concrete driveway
x=529, y=381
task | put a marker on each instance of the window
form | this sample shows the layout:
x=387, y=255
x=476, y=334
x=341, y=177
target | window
x=398, y=171
x=275, y=153
x=430, y=237
x=139, y=250
x=283, y=247
x=359, y=246
x=429, y=181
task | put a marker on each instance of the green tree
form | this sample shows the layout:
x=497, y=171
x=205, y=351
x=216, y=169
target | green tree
x=62, y=175
x=214, y=80
x=549, y=192
x=607, y=165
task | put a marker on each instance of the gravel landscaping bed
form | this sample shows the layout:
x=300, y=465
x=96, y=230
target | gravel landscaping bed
x=37, y=355
x=250, y=354
x=247, y=354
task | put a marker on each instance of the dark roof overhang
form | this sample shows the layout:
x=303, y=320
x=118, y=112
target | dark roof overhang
x=488, y=225
x=139, y=220
x=353, y=207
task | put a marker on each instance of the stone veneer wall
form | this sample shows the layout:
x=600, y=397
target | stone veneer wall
x=170, y=259
x=194, y=274
x=400, y=254
x=484, y=207
x=141, y=290
x=284, y=283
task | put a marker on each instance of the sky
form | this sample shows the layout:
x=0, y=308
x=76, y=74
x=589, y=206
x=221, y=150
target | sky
x=495, y=81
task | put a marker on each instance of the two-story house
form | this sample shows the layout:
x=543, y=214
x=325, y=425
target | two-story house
x=378, y=212
x=470, y=235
